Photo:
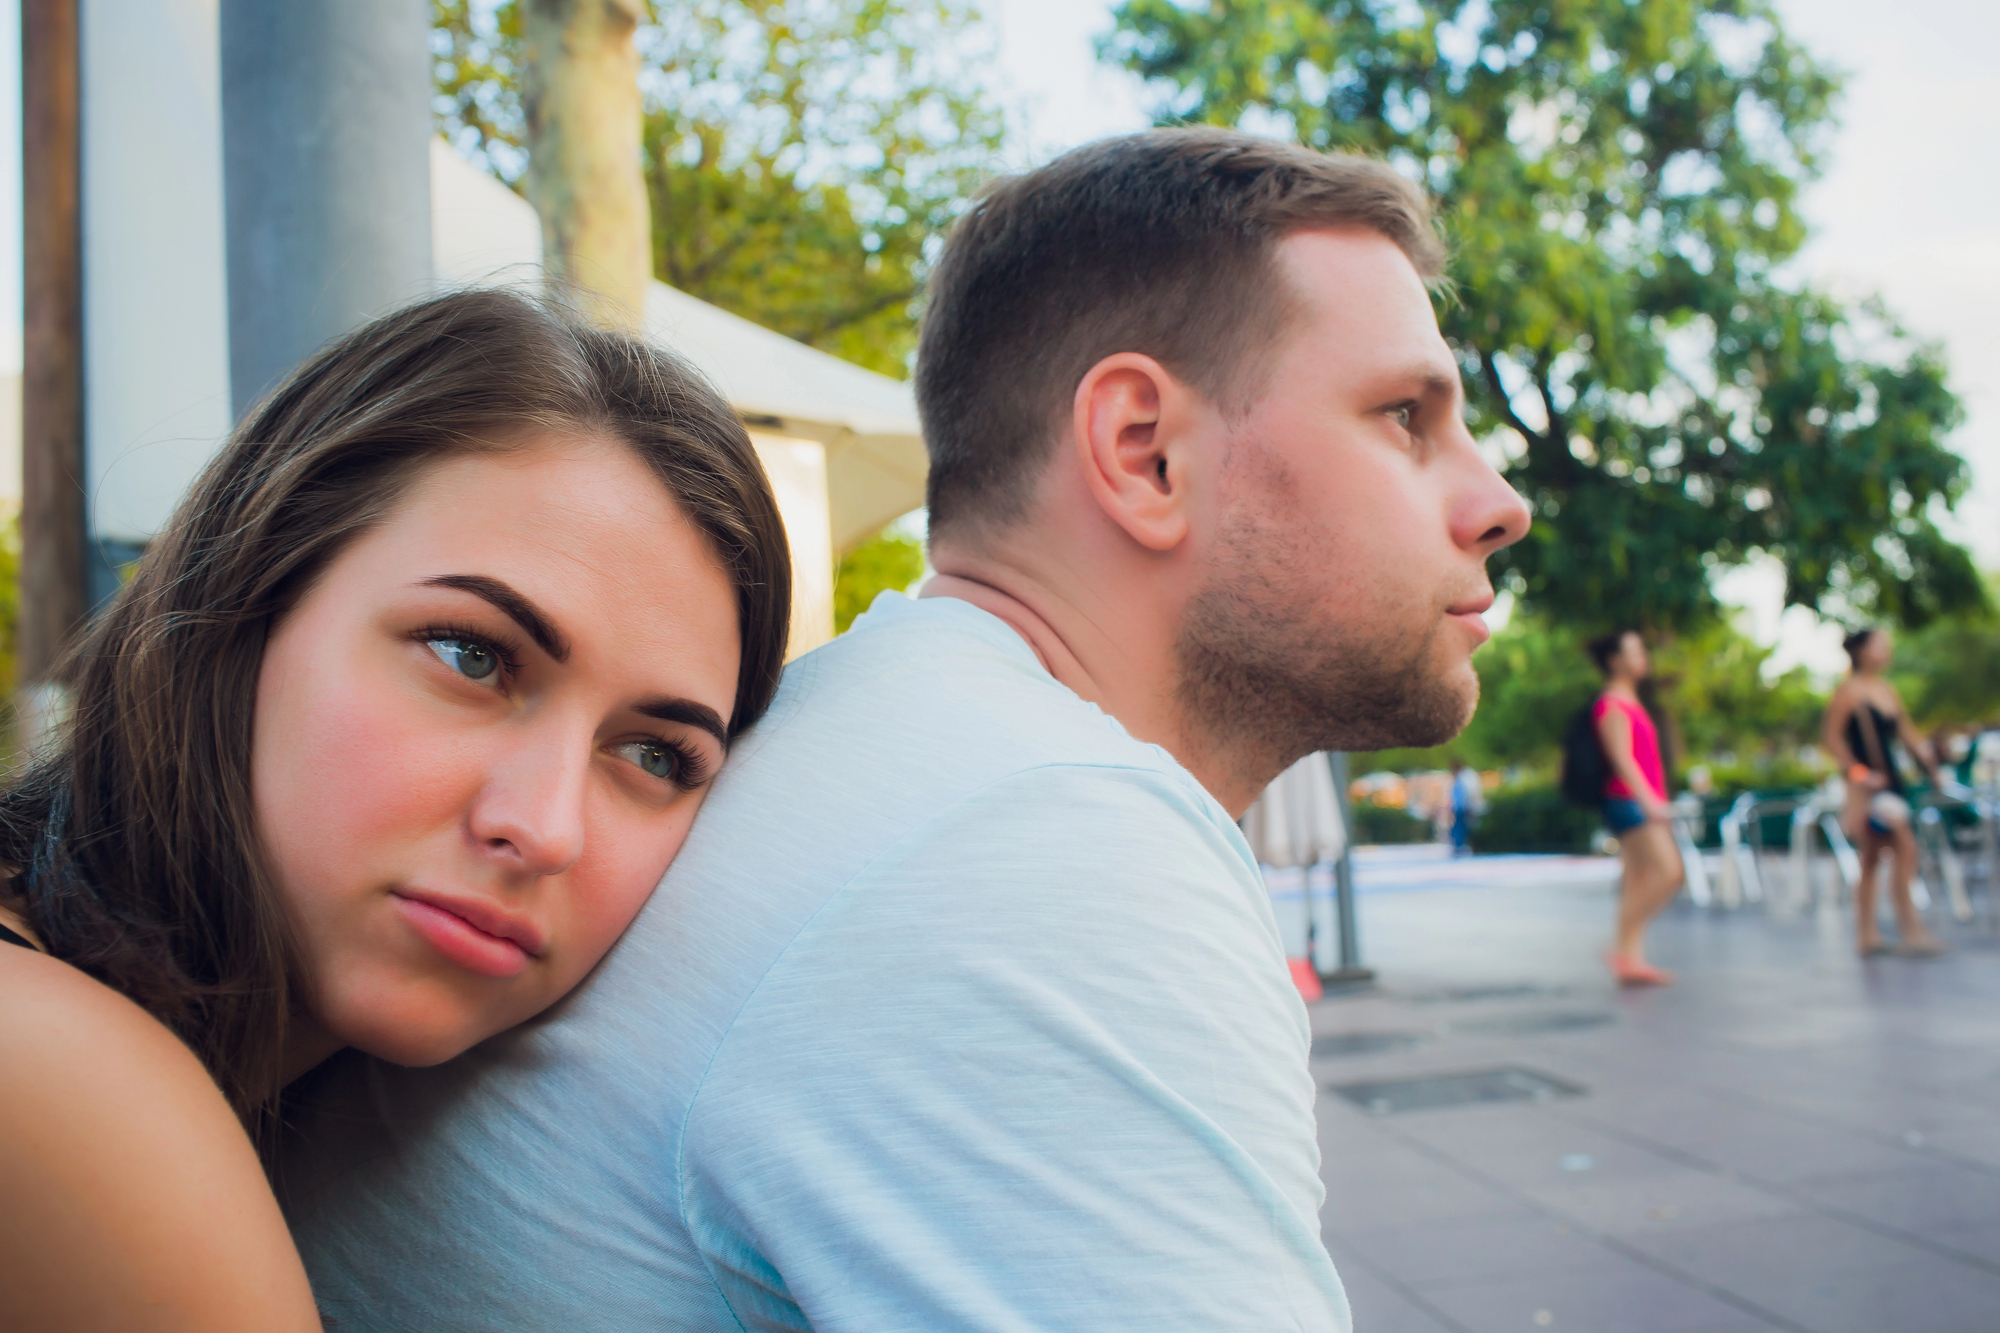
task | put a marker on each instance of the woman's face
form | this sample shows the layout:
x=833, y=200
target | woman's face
x=1632, y=652
x=483, y=734
x=1877, y=652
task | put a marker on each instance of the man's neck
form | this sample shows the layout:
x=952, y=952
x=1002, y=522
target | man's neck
x=1048, y=644
x=1124, y=669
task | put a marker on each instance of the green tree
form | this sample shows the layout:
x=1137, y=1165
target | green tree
x=803, y=156
x=889, y=562
x=1949, y=671
x=1620, y=182
x=1723, y=703
x=10, y=596
x=10, y=625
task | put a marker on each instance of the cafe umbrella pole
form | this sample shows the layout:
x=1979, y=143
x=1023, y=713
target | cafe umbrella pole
x=1350, y=972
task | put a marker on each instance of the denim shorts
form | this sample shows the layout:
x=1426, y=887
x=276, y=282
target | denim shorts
x=1622, y=815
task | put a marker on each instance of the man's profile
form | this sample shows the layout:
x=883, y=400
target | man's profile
x=963, y=1006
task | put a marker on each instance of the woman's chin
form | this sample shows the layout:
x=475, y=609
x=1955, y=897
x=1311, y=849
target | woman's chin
x=416, y=1044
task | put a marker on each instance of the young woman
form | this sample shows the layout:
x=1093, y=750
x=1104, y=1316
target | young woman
x=1865, y=721
x=1635, y=805
x=385, y=743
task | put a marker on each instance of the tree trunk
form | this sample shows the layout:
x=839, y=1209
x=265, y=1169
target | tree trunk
x=52, y=564
x=580, y=89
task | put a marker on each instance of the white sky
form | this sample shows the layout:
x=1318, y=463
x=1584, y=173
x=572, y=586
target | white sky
x=1909, y=208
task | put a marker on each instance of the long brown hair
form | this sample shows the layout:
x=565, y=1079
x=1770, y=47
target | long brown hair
x=135, y=836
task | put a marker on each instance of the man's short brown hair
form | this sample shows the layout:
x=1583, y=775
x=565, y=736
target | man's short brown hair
x=1161, y=243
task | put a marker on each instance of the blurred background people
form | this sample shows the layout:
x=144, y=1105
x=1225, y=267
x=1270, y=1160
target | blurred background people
x=1635, y=804
x=1866, y=727
x=1468, y=801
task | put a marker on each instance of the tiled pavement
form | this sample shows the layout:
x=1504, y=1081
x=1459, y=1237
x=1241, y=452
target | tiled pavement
x=1789, y=1139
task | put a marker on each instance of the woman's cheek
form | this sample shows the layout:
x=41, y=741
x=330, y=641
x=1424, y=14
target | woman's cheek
x=364, y=773
x=618, y=872
x=390, y=762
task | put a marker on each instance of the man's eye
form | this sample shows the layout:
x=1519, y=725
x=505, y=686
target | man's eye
x=658, y=758
x=1403, y=415
x=474, y=661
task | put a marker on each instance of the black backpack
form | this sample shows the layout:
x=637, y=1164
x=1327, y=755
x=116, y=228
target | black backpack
x=1585, y=769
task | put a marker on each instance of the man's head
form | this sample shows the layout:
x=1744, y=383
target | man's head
x=1163, y=243
x=1202, y=369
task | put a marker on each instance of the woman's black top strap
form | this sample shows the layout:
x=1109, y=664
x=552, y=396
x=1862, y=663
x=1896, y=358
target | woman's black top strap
x=9, y=937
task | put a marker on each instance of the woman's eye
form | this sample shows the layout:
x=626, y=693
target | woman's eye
x=1402, y=416
x=474, y=661
x=655, y=757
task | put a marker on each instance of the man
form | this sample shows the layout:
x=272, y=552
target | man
x=964, y=1007
x=1468, y=801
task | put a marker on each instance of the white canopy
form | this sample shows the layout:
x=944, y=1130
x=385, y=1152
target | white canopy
x=875, y=461
x=1296, y=822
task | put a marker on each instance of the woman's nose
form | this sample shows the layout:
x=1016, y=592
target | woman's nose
x=530, y=812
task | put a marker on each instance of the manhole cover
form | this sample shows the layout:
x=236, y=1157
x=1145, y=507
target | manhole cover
x=1473, y=994
x=1508, y=1084
x=1522, y=1025
x=1361, y=1043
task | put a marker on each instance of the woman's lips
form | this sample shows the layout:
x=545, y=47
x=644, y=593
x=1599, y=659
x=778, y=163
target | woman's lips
x=460, y=941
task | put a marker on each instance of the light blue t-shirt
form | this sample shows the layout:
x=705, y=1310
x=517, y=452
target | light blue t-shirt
x=960, y=1010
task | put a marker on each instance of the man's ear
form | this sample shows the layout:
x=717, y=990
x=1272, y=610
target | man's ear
x=1130, y=422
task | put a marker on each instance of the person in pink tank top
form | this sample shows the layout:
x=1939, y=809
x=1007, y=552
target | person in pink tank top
x=1635, y=805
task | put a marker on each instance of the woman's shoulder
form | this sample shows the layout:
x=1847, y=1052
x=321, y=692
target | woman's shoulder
x=131, y=1187
x=88, y=1070
x=1888, y=696
x=76, y=1031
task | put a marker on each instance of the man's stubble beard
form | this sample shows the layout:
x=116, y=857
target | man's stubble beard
x=1268, y=671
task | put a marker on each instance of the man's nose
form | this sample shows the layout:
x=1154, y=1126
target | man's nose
x=1490, y=514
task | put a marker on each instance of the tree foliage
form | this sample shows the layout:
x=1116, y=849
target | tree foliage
x=803, y=157
x=889, y=562
x=1620, y=182
x=1949, y=671
x=10, y=594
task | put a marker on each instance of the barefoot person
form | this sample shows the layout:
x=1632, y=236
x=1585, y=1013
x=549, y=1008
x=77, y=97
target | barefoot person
x=386, y=741
x=1635, y=805
x=1865, y=725
x=964, y=1007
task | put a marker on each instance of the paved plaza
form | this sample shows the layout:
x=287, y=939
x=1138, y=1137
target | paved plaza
x=1790, y=1138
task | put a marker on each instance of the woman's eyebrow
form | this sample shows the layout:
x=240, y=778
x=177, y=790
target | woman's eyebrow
x=689, y=712
x=517, y=608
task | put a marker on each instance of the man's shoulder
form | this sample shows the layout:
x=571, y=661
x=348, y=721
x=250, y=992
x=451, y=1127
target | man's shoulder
x=922, y=774
x=920, y=705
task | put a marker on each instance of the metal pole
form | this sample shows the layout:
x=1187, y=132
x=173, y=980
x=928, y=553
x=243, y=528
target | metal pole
x=326, y=173
x=52, y=529
x=1350, y=971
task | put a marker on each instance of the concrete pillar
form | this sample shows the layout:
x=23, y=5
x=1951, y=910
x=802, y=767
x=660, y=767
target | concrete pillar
x=326, y=121
x=156, y=305
x=797, y=469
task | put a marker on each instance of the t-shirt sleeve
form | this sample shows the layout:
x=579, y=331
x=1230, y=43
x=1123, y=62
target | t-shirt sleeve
x=1038, y=1067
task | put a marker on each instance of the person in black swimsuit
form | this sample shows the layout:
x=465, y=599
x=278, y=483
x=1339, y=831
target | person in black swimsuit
x=1872, y=739
x=388, y=738
x=1867, y=730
